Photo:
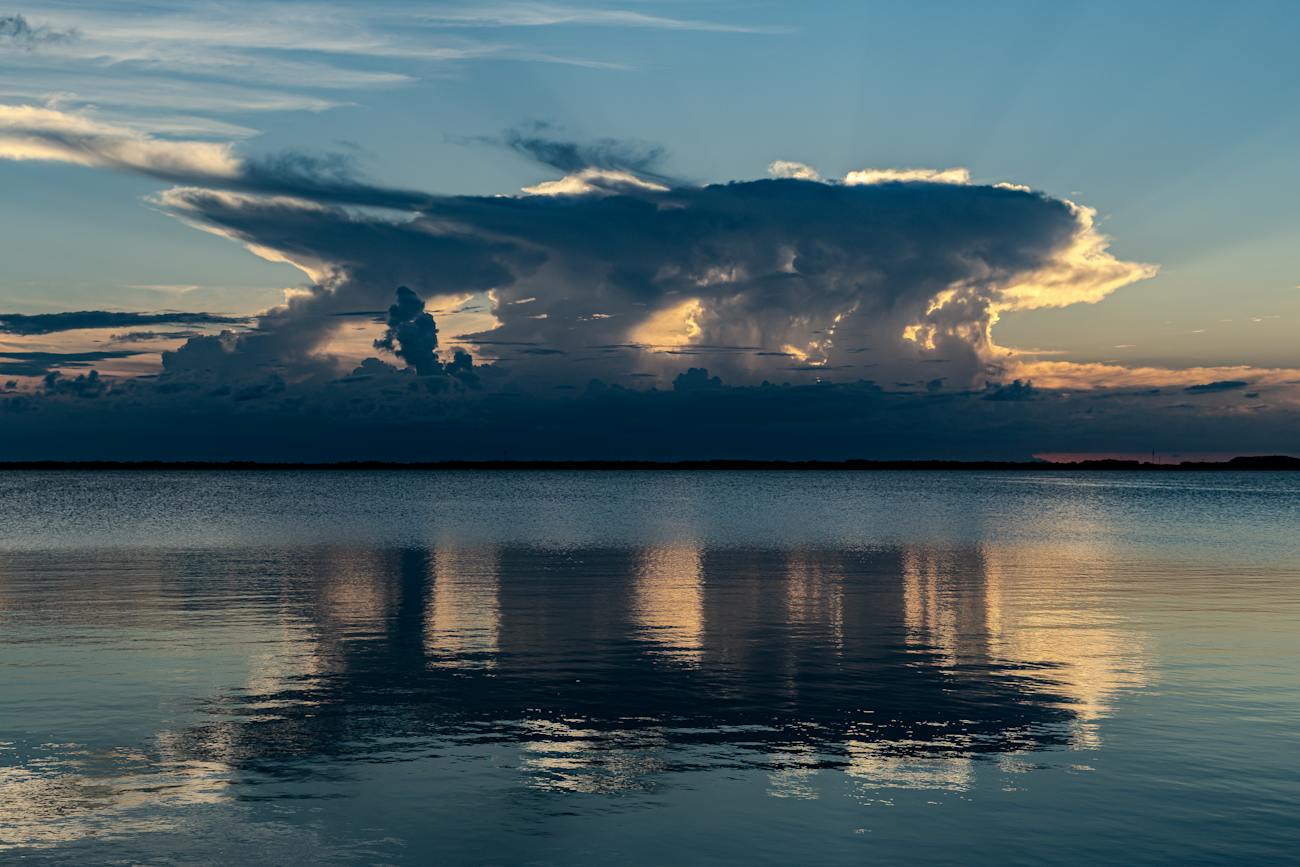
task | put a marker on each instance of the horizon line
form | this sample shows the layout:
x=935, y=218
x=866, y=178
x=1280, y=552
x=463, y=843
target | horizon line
x=1240, y=463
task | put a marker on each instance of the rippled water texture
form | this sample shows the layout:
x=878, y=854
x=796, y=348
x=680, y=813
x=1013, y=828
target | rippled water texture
x=649, y=668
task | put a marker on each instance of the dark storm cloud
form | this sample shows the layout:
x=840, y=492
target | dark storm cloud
x=316, y=177
x=149, y=336
x=536, y=142
x=411, y=334
x=82, y=385
x=50, y=323
x=296, y=175
x=16, y=32
x=1016, y=390
x=1211, y=387
x=696, y=379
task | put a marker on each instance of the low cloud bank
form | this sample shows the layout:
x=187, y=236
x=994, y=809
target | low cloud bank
x=383, y=412
x=50, y=323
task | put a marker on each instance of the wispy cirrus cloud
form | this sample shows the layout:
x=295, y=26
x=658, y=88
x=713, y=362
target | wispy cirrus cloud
x=553, y=15
x=245, y=56
x=33, y=133
x=17, y=32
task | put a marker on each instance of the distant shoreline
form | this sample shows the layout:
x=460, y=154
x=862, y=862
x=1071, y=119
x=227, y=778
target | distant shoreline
x=1249, y=463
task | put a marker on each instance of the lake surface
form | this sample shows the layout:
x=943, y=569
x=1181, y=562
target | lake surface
x=649, y=668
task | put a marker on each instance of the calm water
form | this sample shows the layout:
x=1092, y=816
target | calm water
x=613, y=668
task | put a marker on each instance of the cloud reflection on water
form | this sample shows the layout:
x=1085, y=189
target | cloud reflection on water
x=599, y=670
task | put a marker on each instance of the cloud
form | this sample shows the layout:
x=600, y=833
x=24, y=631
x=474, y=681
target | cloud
x=1095, y=375
x=355, y=261
x=411, y=334
x=750, y=274
x=760, y=313
x=50, y=323
x=32, y=133
x=178, y=60
x=616, y=272
x=696, y=379
x=151, y=336
x=791, y=169
x=24, y=363
x=1016, y=390
x=383, y=413
x=82, y=385
x=611, y=155
x=898, y=176
x=589, y=181
x=1219, y=385
x=551, y=15
x=16, y=32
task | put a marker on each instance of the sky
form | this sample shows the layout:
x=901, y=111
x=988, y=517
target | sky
x=656, y=229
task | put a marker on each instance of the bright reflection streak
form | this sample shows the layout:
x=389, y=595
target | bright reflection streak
x=796, y=773
x=945, y=606
x=72, y=795
x=669, y=601
x=1062, y=636
x=815, y=596
x=563, y=757
x=463, y=613
x=888, y=765
x=1026, y=610
x=354, y=599
x=291, y=662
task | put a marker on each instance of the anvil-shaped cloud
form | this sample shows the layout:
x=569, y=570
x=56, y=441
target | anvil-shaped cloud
x=622, y=274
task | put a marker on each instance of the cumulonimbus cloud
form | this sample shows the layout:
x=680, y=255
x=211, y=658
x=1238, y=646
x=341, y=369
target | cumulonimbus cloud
x=895, y=275
x=765, y=277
